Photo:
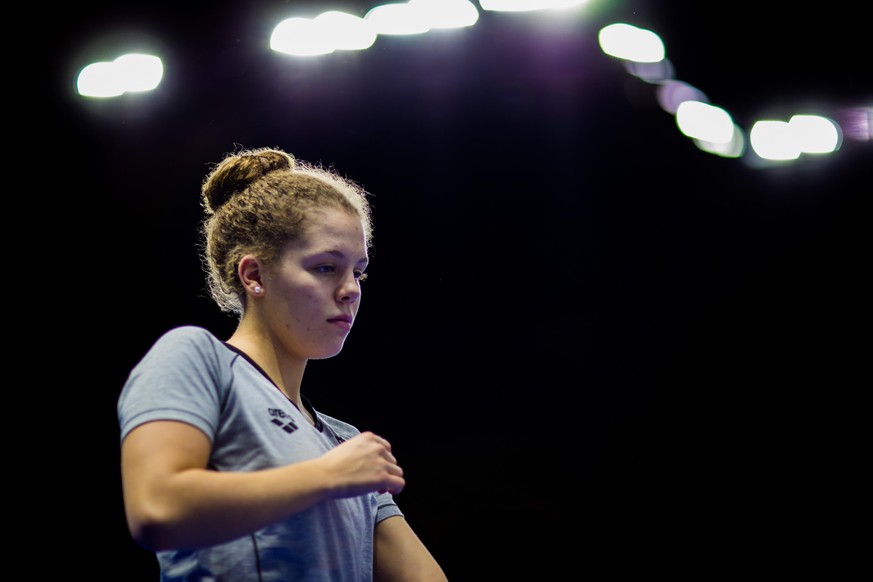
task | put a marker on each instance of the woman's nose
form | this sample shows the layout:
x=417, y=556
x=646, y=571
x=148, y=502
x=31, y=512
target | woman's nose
x=350, y=290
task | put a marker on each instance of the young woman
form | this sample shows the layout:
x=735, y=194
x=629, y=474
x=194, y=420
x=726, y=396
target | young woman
x=228, y=472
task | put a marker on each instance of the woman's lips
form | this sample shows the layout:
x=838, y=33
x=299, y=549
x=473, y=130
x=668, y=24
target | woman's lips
x=344, y=323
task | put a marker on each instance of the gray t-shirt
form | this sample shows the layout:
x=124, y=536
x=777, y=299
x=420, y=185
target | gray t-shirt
x=189, y=375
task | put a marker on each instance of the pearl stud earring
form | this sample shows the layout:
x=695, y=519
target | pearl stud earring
x=257, y=289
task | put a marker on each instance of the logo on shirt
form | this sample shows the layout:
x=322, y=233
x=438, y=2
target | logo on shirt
x=282, y=419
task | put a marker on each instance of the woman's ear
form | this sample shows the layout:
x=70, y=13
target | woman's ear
x=250, y=274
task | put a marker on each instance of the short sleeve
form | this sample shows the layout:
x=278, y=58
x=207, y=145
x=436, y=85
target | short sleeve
x=179, y=378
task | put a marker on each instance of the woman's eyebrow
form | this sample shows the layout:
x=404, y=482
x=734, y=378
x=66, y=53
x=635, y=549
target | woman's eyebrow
x=341, y=255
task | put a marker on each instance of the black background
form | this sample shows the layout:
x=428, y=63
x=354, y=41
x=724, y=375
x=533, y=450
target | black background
x=594, y=347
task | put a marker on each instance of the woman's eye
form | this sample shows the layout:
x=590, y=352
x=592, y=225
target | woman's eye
x=325, y=268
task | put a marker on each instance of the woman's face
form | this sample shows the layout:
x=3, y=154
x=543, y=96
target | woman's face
x=314, y=292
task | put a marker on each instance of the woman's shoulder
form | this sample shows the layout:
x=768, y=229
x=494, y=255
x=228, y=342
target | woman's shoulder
x=188, y=334
x=188, y=339
x=188, y=350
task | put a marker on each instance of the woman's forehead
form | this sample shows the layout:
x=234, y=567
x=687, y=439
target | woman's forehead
x=334, y=231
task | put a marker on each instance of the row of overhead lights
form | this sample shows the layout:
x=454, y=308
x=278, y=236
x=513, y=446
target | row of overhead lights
x=641, y=51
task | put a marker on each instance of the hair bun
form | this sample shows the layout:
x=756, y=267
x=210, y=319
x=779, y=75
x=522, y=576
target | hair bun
x=237, y=171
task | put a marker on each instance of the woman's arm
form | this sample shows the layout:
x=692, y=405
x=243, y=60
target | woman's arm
x=172, y=501
x=400, y=556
